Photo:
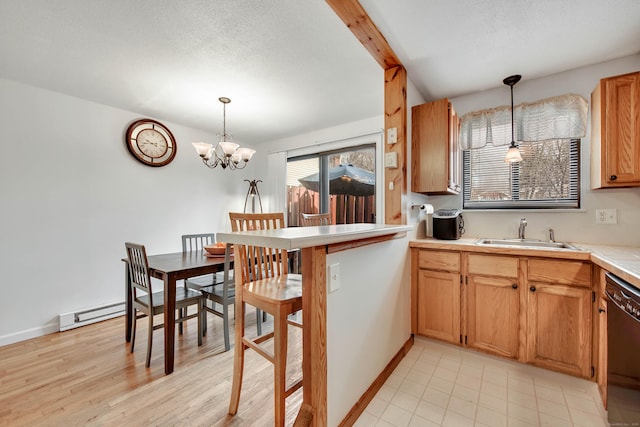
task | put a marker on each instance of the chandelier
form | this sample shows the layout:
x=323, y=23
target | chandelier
x=225, y=153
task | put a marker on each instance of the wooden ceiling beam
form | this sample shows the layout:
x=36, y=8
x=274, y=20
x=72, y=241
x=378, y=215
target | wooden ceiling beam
x=395, y=102
x=356, y=19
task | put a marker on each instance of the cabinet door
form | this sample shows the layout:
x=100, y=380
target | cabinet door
x=493, y=310
x=615, y=129
x=454, y=150
x=621, y=129
x=559, y=328
x=439, y=305
x=432, y=146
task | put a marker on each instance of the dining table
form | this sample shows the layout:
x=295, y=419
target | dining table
x=170, y=268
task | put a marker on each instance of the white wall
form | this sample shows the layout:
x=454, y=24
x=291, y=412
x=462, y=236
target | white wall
x=72, y=195
x=368, y=320
x=568, y=225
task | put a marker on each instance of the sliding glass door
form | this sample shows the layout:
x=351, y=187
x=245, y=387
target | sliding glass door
x=340, y=182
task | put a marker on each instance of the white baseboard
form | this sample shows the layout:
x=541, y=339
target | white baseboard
x=39, y=331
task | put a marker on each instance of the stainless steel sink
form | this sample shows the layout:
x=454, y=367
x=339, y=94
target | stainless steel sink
x=527, y=243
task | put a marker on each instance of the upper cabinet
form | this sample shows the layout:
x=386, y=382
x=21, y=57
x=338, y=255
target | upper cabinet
x=615, y=132
x=435, y=152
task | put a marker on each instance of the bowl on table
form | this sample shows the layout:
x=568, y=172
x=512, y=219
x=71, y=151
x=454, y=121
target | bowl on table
x=216, y=249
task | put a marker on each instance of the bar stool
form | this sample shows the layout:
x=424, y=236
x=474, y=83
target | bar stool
x=272, y=290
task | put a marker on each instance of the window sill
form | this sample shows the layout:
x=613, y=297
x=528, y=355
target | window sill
x=541, y=210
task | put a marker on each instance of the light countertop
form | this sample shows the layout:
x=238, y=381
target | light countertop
x=306, y=237
x=623, y=261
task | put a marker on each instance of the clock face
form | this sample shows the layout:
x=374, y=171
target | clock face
x=151, y=142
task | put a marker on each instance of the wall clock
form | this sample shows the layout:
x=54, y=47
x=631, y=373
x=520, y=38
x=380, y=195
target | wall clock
x=151, y=142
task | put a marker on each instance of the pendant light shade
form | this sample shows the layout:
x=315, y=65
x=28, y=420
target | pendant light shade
x=513, y=155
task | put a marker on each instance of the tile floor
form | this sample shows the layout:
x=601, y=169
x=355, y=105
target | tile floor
x=441, y=385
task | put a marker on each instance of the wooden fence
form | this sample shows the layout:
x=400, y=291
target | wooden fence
x=344, y=209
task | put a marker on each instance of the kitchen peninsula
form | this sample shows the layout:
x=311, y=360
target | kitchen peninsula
x=346, y=334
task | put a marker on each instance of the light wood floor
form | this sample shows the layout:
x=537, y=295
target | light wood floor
x=88, y=376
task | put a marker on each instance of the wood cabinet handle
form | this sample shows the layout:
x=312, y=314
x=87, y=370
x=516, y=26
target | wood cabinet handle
x=601, y=310
x=613, y=177
x=514, y=286
x=532, y=289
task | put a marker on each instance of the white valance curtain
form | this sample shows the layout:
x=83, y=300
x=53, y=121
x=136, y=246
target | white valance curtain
x=559, y=117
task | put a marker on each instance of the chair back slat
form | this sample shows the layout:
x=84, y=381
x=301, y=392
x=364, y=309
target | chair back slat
x=259, y=262
x=139, y=269
x=197, y=242
x=307, y=220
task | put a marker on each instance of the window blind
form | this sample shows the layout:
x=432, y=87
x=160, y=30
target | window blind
x=548, y=176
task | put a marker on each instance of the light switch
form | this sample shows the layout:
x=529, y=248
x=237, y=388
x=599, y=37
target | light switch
x=392, y=135
x=391, y=160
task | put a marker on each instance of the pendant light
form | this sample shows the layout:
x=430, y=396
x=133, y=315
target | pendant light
x=513, y=155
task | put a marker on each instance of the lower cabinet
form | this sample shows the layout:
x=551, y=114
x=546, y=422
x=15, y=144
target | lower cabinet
x=535, y=310
x=438, y=295
x=600, y=344
x=559, y=305
x=439, y=305
x=492, y=304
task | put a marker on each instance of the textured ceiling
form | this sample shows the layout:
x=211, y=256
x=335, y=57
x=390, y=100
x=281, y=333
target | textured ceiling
x=291, y=66
x=451, y=48
x=288, y=66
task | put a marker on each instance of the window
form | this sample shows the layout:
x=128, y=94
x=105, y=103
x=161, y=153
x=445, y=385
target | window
x=340, y=182
x=548, y=176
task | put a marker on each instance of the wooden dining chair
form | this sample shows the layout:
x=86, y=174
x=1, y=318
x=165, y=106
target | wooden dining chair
x=221, y=293
x=263, y=281
x=196, y=243
x=307, y=220
x=151, y=303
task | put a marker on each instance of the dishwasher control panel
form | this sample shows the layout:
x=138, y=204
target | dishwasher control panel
x=624, y=295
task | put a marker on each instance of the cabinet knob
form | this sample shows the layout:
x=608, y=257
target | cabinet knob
x=613, y=177
x=532, y=289
x=601, y=310
x=514, y=286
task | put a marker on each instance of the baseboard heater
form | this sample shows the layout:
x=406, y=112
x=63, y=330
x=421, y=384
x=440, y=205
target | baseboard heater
x=91, y=315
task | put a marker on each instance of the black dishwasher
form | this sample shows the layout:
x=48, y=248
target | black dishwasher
x=623, y=352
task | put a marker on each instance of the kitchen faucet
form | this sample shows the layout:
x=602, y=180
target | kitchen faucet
x=523, y=224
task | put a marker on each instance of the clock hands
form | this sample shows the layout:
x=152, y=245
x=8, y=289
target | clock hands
x=146, y=141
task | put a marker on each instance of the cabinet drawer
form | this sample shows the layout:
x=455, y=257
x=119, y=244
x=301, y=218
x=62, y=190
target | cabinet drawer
x=573, y=273
x=491, y=265
x=439, y=260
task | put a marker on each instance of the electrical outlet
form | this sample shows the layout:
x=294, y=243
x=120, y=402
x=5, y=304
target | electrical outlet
x=334, y=277
x=606, y=216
